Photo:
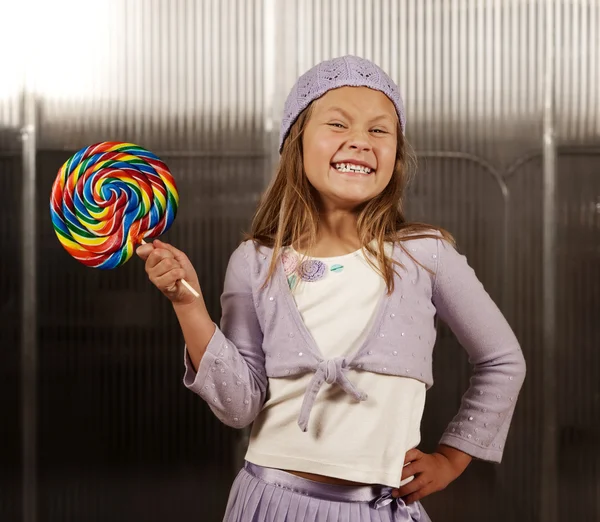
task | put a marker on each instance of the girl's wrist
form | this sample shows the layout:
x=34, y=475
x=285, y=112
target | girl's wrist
x=196, y=307
x=459, y=460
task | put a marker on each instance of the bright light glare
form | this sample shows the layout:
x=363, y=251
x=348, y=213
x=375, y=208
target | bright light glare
x=57, y=48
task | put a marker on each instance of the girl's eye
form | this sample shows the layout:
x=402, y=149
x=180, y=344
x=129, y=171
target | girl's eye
x=336, y=125
x=379, y=131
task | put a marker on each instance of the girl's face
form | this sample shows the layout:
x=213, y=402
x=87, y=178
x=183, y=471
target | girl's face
x=349, y=146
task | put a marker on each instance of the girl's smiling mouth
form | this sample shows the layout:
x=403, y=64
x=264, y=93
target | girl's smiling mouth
x=353, y=168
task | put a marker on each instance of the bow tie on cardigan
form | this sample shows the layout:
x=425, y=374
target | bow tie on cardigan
x=329, y=371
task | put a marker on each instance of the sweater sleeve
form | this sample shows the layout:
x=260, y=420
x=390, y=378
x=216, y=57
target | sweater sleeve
x=231, y=377
x=481, y=426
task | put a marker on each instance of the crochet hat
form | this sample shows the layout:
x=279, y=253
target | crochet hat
x=350, y=71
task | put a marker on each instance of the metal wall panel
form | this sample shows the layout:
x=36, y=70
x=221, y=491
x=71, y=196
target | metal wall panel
x=183, y=79
x=508, y=137
x=10, y=335
x=460, y=64
x=111, y=365
x=119, y=438
x=176, y=75
x=577, y=331
x=11, y=188
x=479, y=93
x=578, y=72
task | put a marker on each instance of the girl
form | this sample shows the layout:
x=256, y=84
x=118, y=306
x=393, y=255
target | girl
x=328, y=322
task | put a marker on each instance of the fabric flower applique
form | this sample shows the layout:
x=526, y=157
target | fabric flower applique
x=292, y=280
x=310, y=270
x=290, y=262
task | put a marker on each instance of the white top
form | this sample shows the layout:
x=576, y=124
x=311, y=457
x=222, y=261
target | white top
x=364, y=442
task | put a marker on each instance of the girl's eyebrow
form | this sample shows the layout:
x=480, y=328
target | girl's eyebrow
x=340, y=110
x=344, y=113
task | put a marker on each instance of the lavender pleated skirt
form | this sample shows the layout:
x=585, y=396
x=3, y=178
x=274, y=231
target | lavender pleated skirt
x=262, y=494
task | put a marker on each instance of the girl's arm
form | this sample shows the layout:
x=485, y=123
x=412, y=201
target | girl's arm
x=166, y=266
x=227, y=368
x=197, y=327
x=481, y=426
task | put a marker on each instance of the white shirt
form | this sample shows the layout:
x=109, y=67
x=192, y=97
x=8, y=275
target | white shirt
x=364, y=442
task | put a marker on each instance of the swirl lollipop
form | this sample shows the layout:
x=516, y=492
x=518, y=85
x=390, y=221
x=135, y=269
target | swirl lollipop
x=107, y=198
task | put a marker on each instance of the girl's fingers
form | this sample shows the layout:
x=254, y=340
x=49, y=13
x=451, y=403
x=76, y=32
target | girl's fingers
x=412, y=455
x=422, y=493
x=164, y=266
x=168, y=281
x=413, y=486
x=144, y=251
x=177, y=254
x=156, y=256
x=412, y=469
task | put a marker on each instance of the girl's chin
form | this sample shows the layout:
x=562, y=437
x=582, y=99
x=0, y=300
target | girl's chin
x=345, y=199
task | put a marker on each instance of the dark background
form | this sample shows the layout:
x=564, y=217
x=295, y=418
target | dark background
x=201, y=84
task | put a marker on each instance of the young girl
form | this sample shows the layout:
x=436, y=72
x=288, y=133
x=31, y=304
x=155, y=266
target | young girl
x=328, y=322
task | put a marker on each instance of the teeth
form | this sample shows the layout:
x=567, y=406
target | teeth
x=350, y=167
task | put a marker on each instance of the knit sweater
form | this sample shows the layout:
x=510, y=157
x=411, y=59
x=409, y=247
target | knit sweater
x=262, y=335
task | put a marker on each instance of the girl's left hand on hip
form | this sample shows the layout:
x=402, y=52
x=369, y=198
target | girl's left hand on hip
x=432, y=472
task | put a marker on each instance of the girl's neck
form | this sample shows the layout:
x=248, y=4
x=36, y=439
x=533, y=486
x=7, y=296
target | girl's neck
x=337, y=236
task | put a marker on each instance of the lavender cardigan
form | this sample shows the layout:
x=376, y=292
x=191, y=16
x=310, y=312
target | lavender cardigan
x=262, y=335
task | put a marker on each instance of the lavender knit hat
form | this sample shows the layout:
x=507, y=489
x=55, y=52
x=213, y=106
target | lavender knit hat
x=345, y=71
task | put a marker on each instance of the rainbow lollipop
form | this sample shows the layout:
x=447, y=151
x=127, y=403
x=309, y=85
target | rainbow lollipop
x=107, y=198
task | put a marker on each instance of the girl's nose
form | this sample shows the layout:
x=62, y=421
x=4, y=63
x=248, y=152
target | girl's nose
x=359, y=142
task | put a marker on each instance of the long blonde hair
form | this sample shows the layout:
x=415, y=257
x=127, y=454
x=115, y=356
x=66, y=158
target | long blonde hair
x=288, y=211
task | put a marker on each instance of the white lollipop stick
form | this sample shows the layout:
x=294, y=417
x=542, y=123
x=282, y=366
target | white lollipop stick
x=183, y=281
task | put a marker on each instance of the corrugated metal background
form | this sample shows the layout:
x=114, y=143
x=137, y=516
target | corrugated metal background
x=504, y=110
x=11, y=189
